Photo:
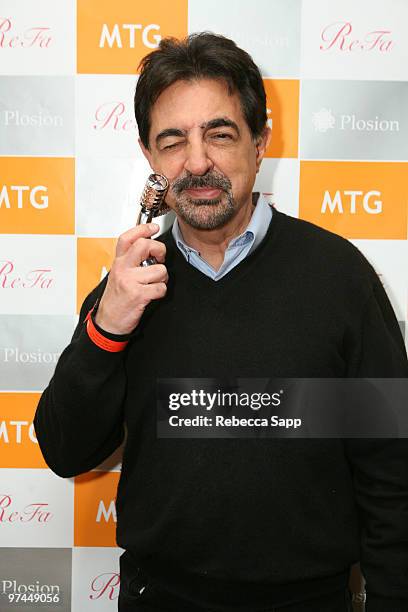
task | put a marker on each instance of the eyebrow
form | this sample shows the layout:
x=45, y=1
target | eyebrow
x=208, y=125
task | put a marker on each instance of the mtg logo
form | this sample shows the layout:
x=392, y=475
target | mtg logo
x=350, y=200
x=106, y=513
x=24, y=196
x=17, y=432
x=10, y=37
x=105, y=586
x=126, y=34
x=340, y=36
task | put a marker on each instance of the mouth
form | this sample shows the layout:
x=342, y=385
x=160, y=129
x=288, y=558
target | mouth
x=204, y=193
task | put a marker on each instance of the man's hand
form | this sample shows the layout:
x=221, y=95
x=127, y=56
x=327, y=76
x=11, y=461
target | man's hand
x=131, y=287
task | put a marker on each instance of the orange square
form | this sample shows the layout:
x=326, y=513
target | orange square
x=355, y=199
x=282, y=101
x=94, y=259
x=94, y=509
x=18, y=444
x=114, y=36
x=37, y=195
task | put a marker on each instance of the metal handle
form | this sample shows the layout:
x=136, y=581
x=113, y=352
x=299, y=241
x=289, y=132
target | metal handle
x=153, y=205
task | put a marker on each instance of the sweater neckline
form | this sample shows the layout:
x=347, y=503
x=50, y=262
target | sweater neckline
x=198, y=278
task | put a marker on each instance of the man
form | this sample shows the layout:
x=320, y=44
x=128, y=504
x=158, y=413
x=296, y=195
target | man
x=225, y=524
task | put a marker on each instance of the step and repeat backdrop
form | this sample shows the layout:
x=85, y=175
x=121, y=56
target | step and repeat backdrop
x=336, y=76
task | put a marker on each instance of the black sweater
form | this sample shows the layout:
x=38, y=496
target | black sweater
x=263, y=520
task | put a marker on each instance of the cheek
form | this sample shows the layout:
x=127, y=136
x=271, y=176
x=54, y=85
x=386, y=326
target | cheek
x=242, y=174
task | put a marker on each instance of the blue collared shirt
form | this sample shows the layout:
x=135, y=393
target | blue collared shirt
x=237, y=249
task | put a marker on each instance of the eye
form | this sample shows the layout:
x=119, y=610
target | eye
x=222, y=136
x=170, y=146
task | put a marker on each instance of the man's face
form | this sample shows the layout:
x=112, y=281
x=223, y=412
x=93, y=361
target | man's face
x=201, y=142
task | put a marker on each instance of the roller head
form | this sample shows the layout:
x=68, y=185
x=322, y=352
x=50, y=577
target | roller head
x=152, y=200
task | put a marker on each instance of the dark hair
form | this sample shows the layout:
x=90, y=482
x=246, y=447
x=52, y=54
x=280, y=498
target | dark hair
x=200, y=55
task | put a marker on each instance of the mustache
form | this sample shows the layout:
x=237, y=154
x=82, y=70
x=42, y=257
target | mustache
x=197, y=182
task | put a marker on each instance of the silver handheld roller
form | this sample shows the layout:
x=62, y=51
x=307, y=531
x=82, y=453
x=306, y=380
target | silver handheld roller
x=152, y=204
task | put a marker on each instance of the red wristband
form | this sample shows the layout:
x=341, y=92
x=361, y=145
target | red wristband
x=113, y=346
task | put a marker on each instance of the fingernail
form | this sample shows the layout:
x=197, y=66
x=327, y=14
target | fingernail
x=154, y=226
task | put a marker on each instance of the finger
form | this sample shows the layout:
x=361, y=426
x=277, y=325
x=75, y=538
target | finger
x=126, y=239
x=156, y=273
x=154, y=292
x=142, y=249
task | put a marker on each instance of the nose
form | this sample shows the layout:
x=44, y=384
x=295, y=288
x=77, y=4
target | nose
x=197, y=160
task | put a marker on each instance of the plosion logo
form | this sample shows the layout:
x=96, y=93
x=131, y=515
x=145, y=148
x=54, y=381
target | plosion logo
x=18, y=442
x=113, y=37
x=14, y=118
x=324, y=120
x=35, y=578
x=95, y=510
x=37, y=195
x=354, y=120
x=356, y=200
x=95, y=256
x=283, y=117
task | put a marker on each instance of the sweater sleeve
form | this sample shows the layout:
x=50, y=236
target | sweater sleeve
x=380, y=466
x=79, y=422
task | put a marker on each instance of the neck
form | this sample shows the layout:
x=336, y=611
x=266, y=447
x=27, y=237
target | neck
x=212, y=244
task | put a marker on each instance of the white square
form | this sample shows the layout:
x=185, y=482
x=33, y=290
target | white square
x=37, y=38
x=36, y=509
x=105, y=118
x=95, y=579
x=37, y=274
x=269, y=30
x=389, y=258
x=278, y=180
x=108, y=193
x=363, y=40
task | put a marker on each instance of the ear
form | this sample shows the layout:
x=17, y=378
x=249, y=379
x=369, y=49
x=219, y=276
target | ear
x=261, y=145
x=146, y=153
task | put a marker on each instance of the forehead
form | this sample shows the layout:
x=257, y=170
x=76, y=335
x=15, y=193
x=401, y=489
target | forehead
x=188, y=104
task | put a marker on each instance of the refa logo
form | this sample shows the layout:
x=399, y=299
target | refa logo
x=17, y=432
x=20, y=196
x=14, y=118
x=114, y=116
x=340, y=36
x=124, y=34
x=106, y=514
x=40, y=278
x=38, y=36
x=36, y=512
x=324, y=120
x=105, y=586
x=352, y=199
